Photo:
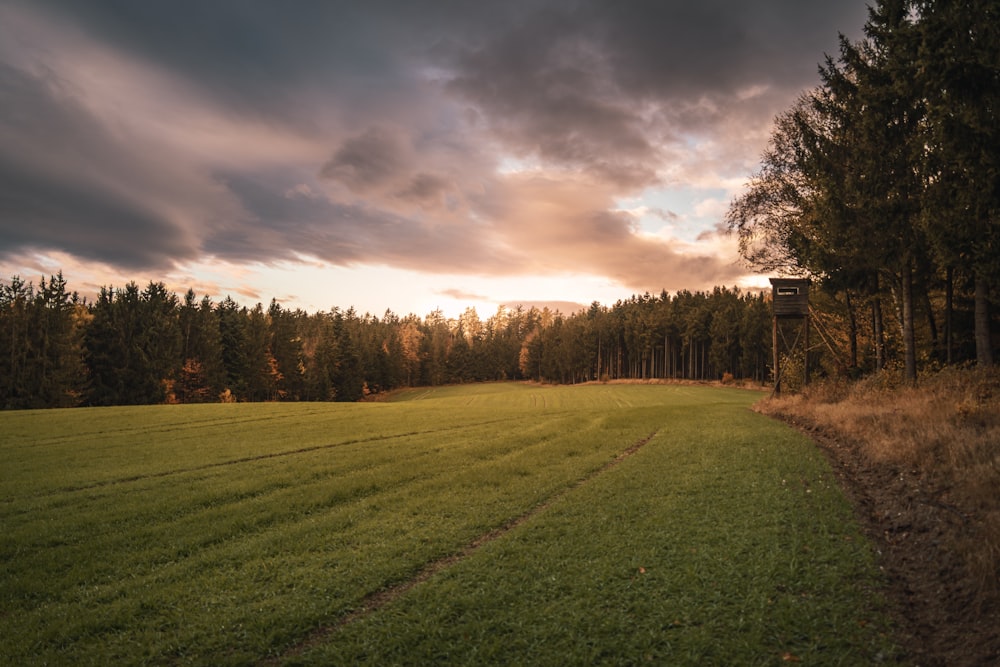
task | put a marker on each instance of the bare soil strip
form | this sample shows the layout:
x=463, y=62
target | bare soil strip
x=942, y=618
x=381, y=598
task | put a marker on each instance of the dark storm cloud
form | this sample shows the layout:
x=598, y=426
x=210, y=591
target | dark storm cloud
x=543, y=87
x=667, y=49
x=142, y=134
x=104, y=229
x=86, y=193
x=369, y=160
x=424, y=188
x=254, y=55
x=292, y=224
x=595, y=84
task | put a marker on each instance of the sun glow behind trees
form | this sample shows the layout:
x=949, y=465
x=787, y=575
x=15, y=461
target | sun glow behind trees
x=136, y=346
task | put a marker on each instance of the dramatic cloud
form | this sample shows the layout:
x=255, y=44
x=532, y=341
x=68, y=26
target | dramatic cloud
x=524, y=138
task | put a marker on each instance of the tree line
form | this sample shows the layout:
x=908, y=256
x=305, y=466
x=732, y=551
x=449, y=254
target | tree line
x=883, y=184
x=149, y=345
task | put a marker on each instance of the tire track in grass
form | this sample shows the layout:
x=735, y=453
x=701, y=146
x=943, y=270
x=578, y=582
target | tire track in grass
x=379, y=599
x=242, y=460
x=145, y=431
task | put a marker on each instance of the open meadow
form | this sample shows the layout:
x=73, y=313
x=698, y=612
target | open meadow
x=485, y=524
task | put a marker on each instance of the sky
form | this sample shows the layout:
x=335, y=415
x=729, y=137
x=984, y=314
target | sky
x=408, y=155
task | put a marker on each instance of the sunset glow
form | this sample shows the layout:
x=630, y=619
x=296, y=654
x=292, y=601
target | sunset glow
x=396, y=156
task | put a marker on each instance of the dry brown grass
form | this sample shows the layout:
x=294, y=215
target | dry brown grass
x=945, y=430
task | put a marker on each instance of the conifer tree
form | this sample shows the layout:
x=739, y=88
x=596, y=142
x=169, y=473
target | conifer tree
x=233, y=337
x=202, y=375
x=348, y=378
x=959, y=74
x=286, y=347
x=58, y=339
x=15, y=303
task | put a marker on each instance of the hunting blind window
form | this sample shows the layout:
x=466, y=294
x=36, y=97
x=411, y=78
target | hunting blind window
x=790, y=297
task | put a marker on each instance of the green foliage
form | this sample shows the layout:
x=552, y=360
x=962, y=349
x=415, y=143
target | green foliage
x=151, y=347
x=883, y=181
x=133, y=345
x=226, y=534
x=41, y=356
x=203, y=375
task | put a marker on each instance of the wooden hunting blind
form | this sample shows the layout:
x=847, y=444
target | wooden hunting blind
x=789, y=301
x=790, y=297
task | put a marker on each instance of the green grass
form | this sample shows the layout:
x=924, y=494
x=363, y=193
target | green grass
x=229, y=534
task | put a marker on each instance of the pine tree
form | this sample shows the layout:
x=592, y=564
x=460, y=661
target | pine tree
x=159, y=340
x=286, y=347
x=201, y=377
x=233, y=337
x=322, y=355
x=349, y=380
x=58, y=337
x=15, y=326
x=959, y=73
x=263, y=379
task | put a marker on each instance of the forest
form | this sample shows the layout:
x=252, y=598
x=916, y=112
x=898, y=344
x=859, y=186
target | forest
x=881, y=185
x=149, y=345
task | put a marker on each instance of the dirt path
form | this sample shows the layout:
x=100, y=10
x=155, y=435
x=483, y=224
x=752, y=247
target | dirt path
x=942, y=618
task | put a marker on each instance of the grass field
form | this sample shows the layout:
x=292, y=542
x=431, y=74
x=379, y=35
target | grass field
x=505, y=523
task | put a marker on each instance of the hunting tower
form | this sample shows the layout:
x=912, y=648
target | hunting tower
x=789, y=301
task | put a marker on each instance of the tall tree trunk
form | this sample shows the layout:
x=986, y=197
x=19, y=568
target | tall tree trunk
x=776, y=354
x=805, y=353
x=931, y=321
x=878, y=333
x=909, y=337
x=949, y=292
x=984, y=348
x=852, y=330
x=666, y=356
